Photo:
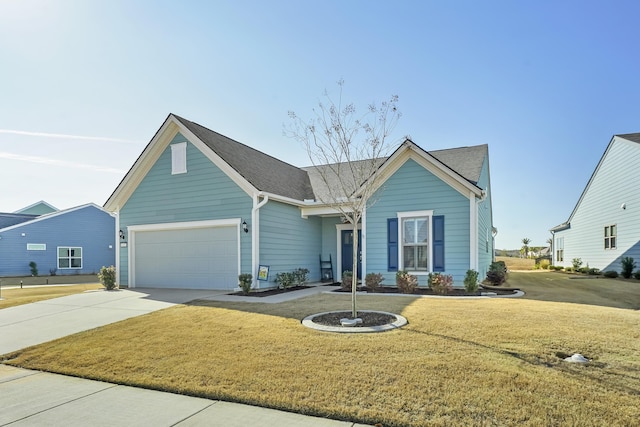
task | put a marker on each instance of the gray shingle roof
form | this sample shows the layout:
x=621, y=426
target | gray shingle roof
x=466, y=161
x=9, y=219
x=635, y=137
x=274, y=176
x=264, y=172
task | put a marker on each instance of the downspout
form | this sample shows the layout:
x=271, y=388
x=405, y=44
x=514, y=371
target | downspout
x=255, y=235
x=117, y=246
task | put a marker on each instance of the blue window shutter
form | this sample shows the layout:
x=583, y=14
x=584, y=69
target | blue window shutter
x=392, y=244
x=438, y=243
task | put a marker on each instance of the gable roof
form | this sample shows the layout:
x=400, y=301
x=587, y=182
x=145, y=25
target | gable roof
x=39, y=208
x=266, y=174
x=632, y=137
x=37, y=218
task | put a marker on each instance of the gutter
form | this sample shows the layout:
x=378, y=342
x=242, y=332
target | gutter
x=255, y=234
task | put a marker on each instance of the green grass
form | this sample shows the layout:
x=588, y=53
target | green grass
x=458, y=362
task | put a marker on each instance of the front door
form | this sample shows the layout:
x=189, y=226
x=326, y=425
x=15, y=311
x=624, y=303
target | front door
x=347, y=251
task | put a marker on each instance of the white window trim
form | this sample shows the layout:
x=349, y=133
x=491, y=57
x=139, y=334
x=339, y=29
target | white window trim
x=36, y=246
x=611, y=236
x=69, y=247
x=178, y=158
x=415, y=214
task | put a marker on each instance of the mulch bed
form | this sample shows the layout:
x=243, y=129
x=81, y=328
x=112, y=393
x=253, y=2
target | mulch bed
x=456, y=292
x=368, y=319
x=269, y=292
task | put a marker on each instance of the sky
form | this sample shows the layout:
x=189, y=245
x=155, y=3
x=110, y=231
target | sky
x=85, y=84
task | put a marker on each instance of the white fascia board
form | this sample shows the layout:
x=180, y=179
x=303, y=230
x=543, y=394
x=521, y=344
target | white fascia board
x=238, y=179
x=411, y=151
x=143, y=164
x=55, y=214
x=41, y=202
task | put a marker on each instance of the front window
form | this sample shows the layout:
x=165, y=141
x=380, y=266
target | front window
x=415, y=244
x=610, y=237
x=69, y=257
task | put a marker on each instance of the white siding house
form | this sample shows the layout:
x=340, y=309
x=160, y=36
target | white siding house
x=604, y=226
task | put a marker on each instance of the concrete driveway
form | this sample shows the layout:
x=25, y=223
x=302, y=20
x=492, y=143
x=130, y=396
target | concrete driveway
x=30, y=324
x=32, y=398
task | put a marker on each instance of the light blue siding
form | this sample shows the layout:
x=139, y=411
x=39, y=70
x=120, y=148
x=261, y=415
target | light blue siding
x=203, y=193
x=614, y=183
x=413, y=188
x=485, y=225
x=288, y=241
x=89, y=227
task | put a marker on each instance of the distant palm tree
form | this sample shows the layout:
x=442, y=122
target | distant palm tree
x=525, y=247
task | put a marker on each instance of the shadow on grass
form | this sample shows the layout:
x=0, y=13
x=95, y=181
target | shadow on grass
x=590, y=290
x=300, y=308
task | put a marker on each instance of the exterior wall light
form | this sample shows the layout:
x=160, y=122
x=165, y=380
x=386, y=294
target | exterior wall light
x=245, y=227
x=121, y=234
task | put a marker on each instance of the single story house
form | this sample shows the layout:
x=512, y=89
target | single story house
x=604, y=226
x=196, y=209
x=71, y=241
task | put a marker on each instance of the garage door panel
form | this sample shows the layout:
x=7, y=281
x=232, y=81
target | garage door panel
x=199, y=258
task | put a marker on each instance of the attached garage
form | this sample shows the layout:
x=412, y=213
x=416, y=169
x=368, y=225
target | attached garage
x=197, y=255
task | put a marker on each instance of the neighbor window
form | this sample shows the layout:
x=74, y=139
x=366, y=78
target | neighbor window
x=179, y=158
x=415, y=243
x=69, y=257
x=36, y=246
x=560, y=249
x=610, y=237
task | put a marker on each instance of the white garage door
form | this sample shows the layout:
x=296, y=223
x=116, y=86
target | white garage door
x=193, y=258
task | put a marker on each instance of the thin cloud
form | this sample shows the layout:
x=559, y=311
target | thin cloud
x=61, y=163
x=64, y=136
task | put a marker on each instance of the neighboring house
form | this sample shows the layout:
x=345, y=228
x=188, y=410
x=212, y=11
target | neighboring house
x=197, y=208
x=39, y=208
x=70, y=241
x=604, y=226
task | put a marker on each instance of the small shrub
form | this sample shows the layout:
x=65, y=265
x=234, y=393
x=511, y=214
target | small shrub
x=497, y=273
x=347, y=279
x=373, y=281
x=536, y=266
x=593, y=272
x=440, y=284
x=300, y=276
x=406, y=283
x=577, y=263
x=34, y=268
x=471, y=281
x=611, y=274
x=568, y=269
x=544, y=264
x=627, y=267
x=53, y=271
x=245, y=280
x=284, y=279
x=585, y=270
x=107, y=277
x=636, y=275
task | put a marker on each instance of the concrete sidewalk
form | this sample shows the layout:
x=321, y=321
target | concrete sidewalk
x=33, y=398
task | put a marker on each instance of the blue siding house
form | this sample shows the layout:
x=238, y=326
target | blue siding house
x=197, y=209
x=79, y=240
x=604, y=226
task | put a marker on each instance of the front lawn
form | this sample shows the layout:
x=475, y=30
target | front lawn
x=458, y=361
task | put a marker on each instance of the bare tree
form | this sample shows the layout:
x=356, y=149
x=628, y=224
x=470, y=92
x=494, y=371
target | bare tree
x=346, y=149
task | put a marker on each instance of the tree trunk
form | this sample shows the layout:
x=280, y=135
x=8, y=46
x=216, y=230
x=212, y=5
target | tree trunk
x=354, y=276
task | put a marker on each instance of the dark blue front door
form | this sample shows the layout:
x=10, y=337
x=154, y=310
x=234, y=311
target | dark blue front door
x=347, y=252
